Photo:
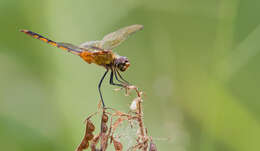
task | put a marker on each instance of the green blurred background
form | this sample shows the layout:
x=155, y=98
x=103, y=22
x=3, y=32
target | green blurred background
x=197, y=61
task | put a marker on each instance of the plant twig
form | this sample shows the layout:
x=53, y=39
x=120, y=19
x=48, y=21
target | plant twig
x=115, y=118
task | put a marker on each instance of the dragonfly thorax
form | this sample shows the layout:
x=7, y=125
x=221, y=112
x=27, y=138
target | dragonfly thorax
x=122, y=63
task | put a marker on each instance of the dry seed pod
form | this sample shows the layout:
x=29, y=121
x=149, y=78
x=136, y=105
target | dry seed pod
x=104, y=127
x=89, y=136
x=103, y=141
x=90, y=126
x=117, y=145
x=83, y=145
x=94, y=143
x=104, y=118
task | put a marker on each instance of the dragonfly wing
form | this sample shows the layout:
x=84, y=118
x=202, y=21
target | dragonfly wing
x=92, y=45
x=69, y=46
x=114, y=39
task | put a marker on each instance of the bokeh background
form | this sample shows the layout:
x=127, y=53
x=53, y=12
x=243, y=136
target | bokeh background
x=197, y=61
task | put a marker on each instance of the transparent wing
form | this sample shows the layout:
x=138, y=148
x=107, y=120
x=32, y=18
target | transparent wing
x=69, y=46
x=113, y=39
x=92, y=45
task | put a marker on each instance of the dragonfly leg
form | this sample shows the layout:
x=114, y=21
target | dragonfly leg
x=112, y=80
x=117, y=73
x=119, y=80
x=114, y=70
x=99, y=86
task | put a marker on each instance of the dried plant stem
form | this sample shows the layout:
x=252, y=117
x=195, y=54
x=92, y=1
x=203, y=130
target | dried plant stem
x=115, y=118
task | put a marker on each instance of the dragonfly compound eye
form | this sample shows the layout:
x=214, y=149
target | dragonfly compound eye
x=122, y=63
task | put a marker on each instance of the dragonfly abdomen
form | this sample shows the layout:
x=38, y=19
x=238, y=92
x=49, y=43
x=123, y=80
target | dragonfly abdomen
x=40, y=37
x=53, y=43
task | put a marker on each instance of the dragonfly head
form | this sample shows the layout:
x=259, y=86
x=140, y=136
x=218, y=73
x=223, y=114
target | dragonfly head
x=122, y=63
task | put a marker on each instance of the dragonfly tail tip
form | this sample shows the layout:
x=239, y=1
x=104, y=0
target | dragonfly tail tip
x=23, y=30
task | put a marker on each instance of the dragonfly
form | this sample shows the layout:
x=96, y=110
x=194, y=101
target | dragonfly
x=100, y=53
